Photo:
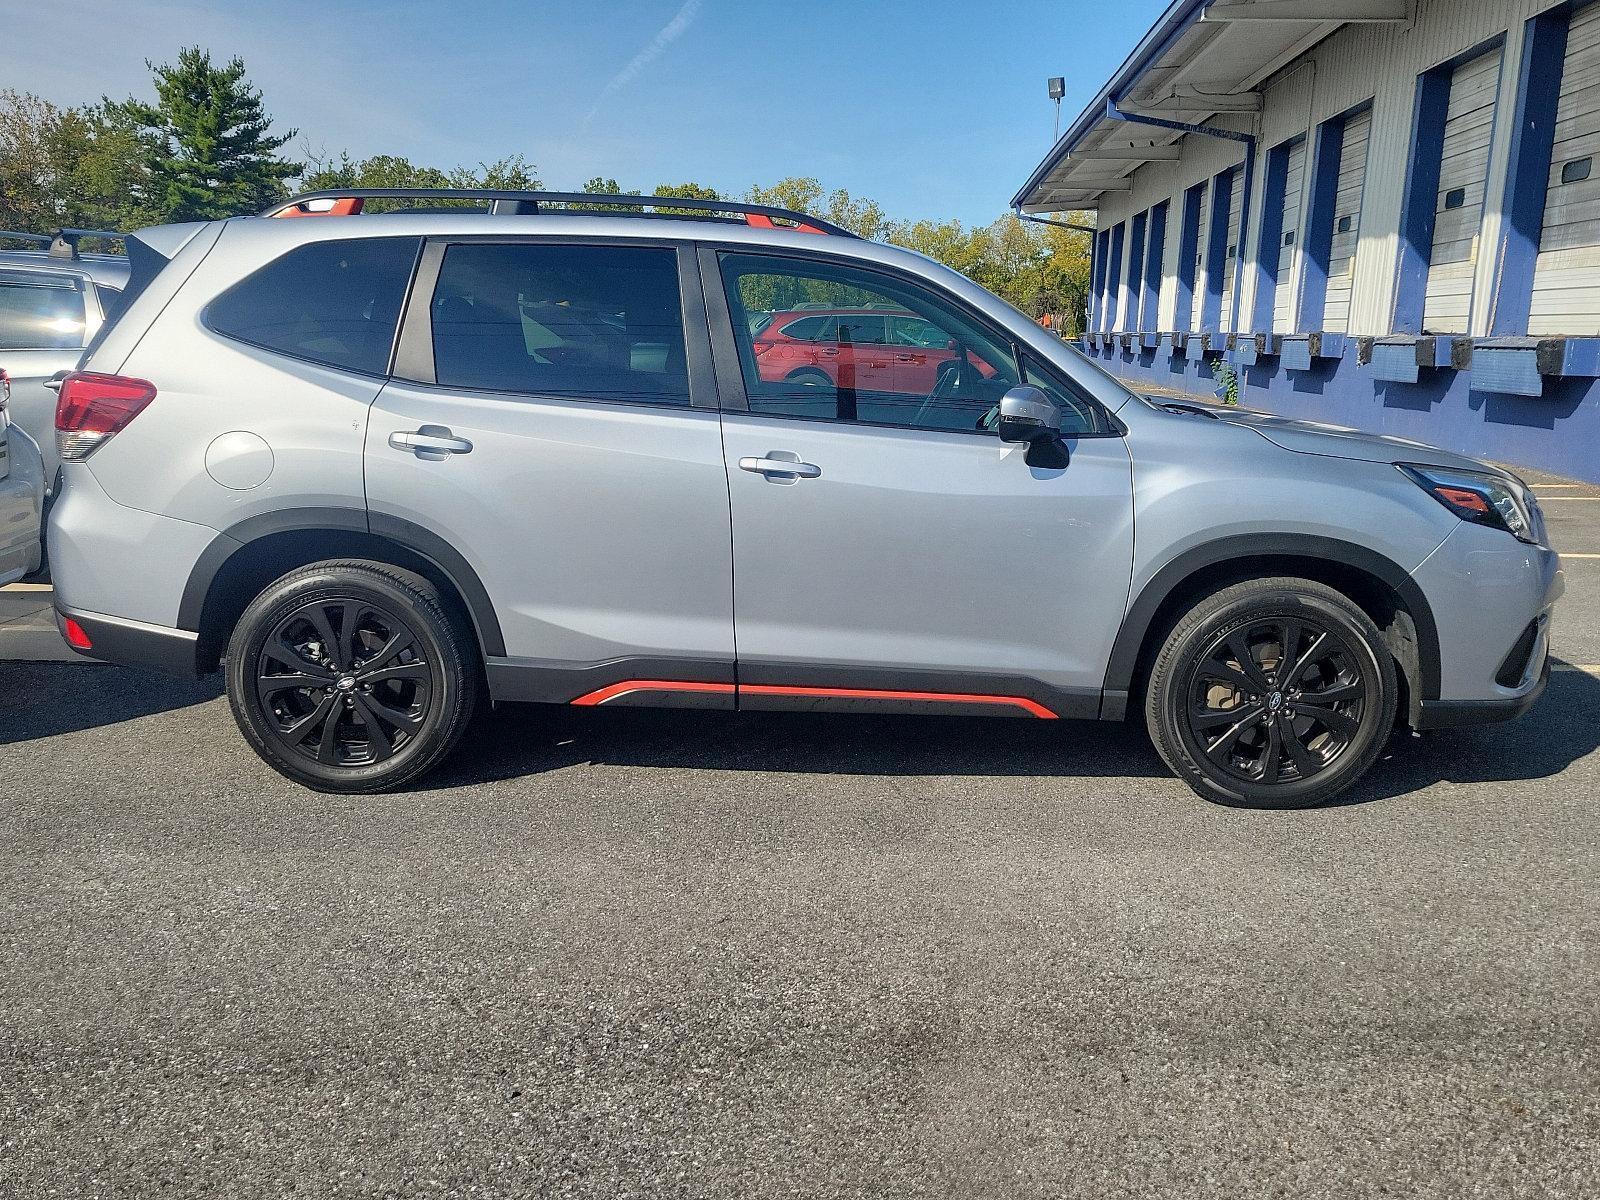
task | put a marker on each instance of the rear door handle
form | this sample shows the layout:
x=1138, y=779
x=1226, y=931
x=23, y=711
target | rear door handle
x=780, y=466
x=430, y=440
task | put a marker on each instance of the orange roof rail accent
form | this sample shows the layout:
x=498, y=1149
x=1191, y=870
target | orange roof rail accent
x=347, y=207
x=762, y=221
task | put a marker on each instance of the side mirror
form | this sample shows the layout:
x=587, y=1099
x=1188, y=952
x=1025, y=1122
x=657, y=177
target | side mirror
x=1027, y=415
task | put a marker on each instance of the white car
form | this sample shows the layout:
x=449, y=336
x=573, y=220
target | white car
x=21, y=495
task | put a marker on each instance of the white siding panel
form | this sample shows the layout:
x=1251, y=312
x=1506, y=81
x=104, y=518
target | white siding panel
x=1283, y=298
x=1566, y=275
x=1200, y=259
x=1464, y=169
x=1347, y=221
x=1231, y=261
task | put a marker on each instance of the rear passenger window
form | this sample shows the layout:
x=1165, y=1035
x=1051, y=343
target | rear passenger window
x=582, y=322
x=334, y=302
x=38, y=313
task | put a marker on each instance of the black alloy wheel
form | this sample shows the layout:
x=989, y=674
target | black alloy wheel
x=1276, y=700
x=1272, y=693
x=353, y=676
x=343, y=682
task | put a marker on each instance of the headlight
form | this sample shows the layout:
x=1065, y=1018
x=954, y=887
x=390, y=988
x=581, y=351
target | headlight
x=1481, y=498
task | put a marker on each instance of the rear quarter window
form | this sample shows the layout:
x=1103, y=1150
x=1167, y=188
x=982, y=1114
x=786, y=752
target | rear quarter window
x=336, y=303
x=39, y=312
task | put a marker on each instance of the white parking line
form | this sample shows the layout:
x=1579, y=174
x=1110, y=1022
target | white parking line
x=26, y=587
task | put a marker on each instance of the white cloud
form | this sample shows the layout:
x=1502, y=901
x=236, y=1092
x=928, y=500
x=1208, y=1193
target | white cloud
x=670, y=32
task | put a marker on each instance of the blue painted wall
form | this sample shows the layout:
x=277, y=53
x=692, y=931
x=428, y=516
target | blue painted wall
x=1558, y=431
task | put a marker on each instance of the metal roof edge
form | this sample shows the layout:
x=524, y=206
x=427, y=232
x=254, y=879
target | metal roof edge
x=1178, y=17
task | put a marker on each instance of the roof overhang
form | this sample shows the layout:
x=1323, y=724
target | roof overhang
x=1203, y=59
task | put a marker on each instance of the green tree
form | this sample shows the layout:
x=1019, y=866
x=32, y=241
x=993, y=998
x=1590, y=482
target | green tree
x=511, y=174
x=66, y=166
x=391, y=171
x=688, y=191
x=208, y=147
x=379, y=171
x=804, y=194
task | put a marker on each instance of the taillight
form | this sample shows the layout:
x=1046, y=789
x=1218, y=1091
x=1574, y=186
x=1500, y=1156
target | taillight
x=91, y=408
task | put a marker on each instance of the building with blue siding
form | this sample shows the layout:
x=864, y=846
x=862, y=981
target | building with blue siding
x=1379, y=213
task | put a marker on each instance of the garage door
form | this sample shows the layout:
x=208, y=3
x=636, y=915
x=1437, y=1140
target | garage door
x=1566, y=276
x=1346, y=222
x=1202, y=243
x=1283, y=295
x=1235, y=192
x=1463, y=171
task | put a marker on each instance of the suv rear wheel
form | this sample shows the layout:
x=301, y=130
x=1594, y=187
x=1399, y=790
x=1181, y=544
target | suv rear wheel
x=351, y=676
x=1276, y=693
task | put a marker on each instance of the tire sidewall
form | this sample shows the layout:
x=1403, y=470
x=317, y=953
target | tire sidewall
x=1191, y=641
x=281, y=599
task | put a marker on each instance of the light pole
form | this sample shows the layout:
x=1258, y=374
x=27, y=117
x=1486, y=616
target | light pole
x=1058, y=89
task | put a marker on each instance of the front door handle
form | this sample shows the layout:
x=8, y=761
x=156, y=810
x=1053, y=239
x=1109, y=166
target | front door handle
x=430, y=441
x=770, y=466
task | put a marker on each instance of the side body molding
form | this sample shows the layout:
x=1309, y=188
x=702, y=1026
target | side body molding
x=1125, y=652
x=424, y=543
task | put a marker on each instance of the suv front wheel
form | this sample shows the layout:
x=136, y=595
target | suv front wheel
x=351, y=676
x=1275, y=693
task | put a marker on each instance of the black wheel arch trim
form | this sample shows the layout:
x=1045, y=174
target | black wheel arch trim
x=1129, y=646
x=420, y=541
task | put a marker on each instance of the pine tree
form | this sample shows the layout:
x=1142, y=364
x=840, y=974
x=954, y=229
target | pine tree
x=209, y=150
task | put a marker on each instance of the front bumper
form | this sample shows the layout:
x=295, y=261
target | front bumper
x=1488, y=593
x=1459, y=714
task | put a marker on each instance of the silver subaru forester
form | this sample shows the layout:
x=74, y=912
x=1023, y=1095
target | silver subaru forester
x=380, y=467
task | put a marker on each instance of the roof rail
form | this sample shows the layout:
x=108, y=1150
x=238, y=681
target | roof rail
x=63, y=244
x=348, y=202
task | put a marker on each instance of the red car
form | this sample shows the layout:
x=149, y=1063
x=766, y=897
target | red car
x=874, y=349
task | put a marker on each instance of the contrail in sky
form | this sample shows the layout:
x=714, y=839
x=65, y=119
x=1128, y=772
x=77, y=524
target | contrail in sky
x=670, y=32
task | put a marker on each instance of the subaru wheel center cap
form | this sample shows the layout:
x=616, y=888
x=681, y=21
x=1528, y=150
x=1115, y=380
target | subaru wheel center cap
x=1274, y=701
x=346, y=682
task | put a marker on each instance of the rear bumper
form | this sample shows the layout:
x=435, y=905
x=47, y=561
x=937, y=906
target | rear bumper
x=133, y=643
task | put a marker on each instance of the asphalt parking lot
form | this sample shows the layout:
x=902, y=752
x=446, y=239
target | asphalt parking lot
x=618, y=953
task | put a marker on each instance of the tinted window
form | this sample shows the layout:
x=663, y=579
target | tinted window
x=860, y=328
x=914, y=331
x=43, y=315
x=805, y=329
x=946, y=372
x=830, y=379
x=588, y=322
x=334, y=302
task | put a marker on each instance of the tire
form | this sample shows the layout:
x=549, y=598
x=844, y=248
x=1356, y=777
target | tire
x=397, y=707
x=810, y=377
x=1241, y=734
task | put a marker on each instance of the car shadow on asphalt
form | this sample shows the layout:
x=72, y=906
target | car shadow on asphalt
x=45, y=699
x=42, y=700
x=518, y=740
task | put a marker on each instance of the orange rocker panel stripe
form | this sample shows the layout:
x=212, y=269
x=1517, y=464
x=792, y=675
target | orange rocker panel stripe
x=601, y=695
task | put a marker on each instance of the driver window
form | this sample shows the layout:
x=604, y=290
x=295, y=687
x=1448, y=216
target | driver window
x=886, y=352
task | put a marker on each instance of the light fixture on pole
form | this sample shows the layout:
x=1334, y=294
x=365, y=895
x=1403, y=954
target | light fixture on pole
x=1058, y=89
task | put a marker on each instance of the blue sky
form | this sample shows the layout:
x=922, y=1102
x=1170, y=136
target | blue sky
x=935, y=109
